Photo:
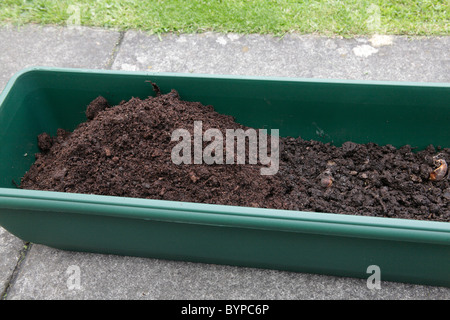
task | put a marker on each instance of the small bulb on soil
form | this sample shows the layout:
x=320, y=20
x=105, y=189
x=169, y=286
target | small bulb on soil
x=440, y=172
x=326, y=182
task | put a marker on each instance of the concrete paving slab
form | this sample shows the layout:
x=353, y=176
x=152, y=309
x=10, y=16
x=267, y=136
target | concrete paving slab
x=305, y=56
x=53, y=46
x=33, y=45
x=10, y=253
x=49, y=273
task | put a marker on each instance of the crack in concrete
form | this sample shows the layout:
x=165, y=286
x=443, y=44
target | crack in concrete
x=115, y=51
x=22, y=256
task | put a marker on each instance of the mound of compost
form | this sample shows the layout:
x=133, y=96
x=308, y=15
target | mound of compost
x=125, y=151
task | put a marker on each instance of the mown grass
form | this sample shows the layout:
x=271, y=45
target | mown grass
x=328, y=17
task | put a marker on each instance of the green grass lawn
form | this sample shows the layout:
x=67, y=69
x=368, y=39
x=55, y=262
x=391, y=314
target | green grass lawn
x=328, y=17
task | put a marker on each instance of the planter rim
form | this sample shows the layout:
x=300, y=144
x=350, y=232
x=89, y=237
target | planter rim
x=34, y=69
x=224, y=215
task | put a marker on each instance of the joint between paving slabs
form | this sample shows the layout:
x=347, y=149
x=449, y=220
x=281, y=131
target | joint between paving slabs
x=115, y=51
x=22, y=256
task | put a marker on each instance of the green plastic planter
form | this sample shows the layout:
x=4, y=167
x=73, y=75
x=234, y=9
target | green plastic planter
x=44, y=99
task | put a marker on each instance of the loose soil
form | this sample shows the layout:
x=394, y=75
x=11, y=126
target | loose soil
x=125, y=150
